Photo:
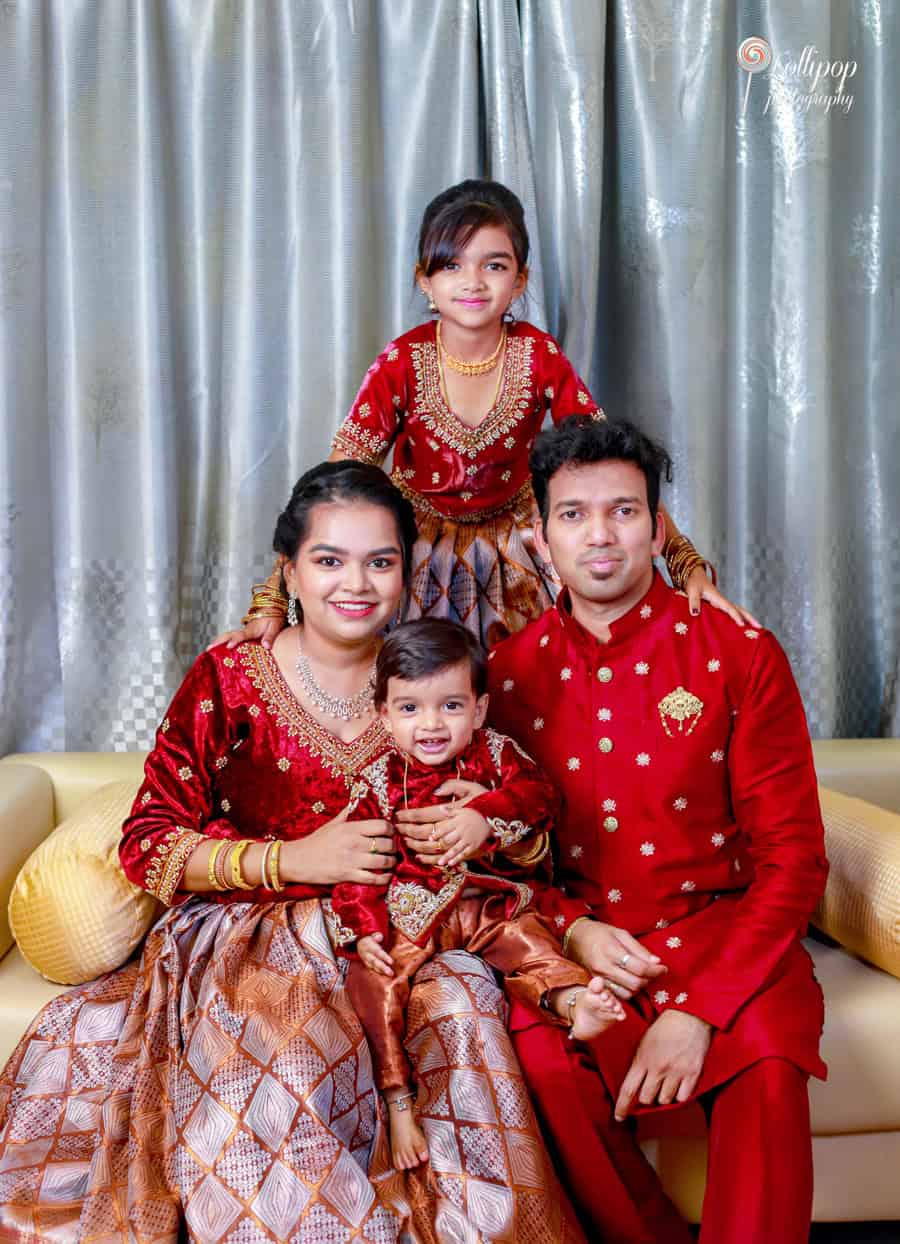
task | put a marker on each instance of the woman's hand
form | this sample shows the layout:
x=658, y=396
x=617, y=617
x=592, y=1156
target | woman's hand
x=266, y=630
x=626, y=965
x=373, y=954
x=361, y=852
x=700, y=587
x=429, y=832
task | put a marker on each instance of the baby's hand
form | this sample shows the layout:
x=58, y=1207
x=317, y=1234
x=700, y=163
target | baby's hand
x=373, y=954
x=461, y=836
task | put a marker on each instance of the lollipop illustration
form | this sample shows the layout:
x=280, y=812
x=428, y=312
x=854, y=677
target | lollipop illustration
x=754, y=55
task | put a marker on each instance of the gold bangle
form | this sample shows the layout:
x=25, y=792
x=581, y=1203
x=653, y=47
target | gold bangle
x=238, y=881
x=263, y=866
x=277, y=885
x=570, y=930
x=218, y=846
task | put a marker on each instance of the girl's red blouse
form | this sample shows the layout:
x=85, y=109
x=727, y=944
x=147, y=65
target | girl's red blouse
x=446, y=467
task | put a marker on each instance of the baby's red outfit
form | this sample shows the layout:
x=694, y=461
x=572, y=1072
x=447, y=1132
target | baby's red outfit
x=474, y=906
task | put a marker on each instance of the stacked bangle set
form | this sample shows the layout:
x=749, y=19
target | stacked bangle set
x=224, y=866
x=682, y=559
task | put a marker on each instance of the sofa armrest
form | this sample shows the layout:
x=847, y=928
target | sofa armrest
x=26, y=818
x=75, y=776
x=861, y=905
x=866, y=768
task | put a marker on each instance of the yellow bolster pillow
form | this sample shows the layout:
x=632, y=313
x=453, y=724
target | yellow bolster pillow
x=73, y=912
x=861, y=905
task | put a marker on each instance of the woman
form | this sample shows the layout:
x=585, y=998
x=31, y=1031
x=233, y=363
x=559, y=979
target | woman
x=223, y=1081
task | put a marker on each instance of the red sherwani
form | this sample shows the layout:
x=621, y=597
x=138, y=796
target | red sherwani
x=691, y=817
x=425, y=909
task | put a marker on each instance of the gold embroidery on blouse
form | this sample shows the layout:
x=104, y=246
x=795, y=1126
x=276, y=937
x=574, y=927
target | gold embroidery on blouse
x=165, y=726
x=514, y=401
x=413, y=907
x=680, y=706
x=338, y=933
x=340, y=759
x=508, y=832
x=283, y=764
x=520, y=503
x=206, y=706
x=169, y=859
x=495, y=741
x=376, y=775
x=185, y=773
x=318, y=807
x=360, y=443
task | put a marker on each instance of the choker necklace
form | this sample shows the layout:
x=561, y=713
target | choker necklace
x=465, y=368
x=345, y=708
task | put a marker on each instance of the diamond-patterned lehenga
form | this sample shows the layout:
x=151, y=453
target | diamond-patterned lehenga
x=221, y=1085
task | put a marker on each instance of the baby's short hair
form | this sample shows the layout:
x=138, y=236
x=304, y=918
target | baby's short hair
x=425, y=647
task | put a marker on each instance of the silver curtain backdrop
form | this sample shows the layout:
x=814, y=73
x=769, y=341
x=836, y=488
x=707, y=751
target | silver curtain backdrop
x=208, y=211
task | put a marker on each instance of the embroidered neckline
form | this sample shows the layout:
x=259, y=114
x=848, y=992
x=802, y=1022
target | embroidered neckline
x=342, y=759
x=514, y=401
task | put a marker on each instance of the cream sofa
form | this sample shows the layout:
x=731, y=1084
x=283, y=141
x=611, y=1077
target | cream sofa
x=856, y=1114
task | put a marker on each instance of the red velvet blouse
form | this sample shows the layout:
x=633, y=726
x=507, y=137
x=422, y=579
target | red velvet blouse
x=237, y=757
x=447, y=467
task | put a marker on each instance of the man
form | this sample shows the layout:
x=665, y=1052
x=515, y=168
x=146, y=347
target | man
x=690, y=857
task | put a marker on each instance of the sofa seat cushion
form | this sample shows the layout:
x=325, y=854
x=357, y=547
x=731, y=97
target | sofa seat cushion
x=22, y=994
x=860, y=1045
x=73, y=912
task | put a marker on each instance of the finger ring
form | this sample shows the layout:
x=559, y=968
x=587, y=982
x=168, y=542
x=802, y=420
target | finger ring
x=373, y=849
x=623, y=962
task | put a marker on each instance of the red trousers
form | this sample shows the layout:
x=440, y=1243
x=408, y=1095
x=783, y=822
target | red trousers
x=522, y=949
x=759, y=1175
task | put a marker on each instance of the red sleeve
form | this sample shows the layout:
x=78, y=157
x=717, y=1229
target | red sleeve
x=776, y=804
x=523, y=803
x=558, y=908
x=360, y=909
x=173, y=809
x=368, y=431
x=566, y=392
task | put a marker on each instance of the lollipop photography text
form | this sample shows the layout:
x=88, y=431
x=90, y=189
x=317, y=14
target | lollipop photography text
x=810, y=80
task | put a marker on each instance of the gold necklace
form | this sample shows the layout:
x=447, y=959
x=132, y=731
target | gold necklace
x=443, y=389
x=465, y=368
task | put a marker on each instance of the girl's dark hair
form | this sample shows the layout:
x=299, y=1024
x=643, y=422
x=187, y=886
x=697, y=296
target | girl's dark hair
x=455, y=215
x=344, y=481
x=425, y=647
x=580, y=440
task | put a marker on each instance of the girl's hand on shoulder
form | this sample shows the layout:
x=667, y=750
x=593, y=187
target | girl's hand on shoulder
x=266, y=630
x=360, y=852
x=701, y=588
x=373, y=954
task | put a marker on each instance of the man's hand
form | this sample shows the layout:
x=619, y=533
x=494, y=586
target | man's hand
x=625, y=965
x=667, y=1063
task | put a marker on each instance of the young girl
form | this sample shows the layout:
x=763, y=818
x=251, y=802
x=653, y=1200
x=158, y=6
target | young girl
x=459, y=401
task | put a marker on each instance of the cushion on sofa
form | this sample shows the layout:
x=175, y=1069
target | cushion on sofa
x=861, y=905
x=72, y=910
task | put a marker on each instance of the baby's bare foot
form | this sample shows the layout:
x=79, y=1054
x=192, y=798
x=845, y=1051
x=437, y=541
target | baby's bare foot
x=409, y=1147
x=596, y=1009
